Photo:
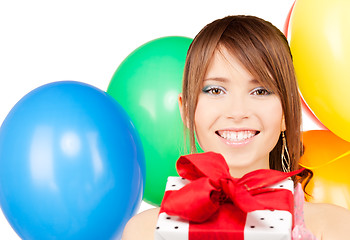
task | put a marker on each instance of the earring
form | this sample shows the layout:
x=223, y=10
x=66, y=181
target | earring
x=285, y=155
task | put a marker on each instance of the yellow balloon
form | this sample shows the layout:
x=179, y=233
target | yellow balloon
x=320, y=44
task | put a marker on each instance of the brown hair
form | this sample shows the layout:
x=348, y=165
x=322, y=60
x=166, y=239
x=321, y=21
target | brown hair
x=264, y=51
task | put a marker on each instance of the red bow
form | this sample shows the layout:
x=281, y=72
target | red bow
x=212, y=185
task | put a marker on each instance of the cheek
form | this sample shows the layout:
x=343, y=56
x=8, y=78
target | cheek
x=204, y=118
x=273, y=116
x=200, y=120
x=202, y=113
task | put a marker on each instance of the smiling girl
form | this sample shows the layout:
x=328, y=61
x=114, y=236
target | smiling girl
x=240, y=99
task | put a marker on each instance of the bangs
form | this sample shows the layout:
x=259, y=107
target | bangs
x=254, y=61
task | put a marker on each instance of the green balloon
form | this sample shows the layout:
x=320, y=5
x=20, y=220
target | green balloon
x=147, y=84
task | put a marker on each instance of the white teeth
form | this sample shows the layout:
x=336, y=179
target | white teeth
x=237, y=136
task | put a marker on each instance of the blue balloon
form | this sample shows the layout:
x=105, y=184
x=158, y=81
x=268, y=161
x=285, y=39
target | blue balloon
x=71, y=164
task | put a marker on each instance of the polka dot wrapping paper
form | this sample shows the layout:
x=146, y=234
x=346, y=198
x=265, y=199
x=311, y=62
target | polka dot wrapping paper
x=229, y=222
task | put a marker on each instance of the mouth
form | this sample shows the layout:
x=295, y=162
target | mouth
x=237, y=136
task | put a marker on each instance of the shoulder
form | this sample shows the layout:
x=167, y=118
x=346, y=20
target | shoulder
x=141, y=226
x=327, y=221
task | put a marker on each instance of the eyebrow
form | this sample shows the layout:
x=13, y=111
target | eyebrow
x=217, y=79
x=254, y=81
x=221, y=79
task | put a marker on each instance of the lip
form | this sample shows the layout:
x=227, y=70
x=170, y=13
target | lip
x=237, y=137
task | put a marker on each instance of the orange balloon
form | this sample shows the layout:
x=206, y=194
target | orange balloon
x=328, y=156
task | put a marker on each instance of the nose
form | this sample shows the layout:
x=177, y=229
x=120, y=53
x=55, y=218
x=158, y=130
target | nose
x=237, y=108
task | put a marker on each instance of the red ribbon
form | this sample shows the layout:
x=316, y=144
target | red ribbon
x=211, y=185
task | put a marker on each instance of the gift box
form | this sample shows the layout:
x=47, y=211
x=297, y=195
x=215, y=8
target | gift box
x=207, y=203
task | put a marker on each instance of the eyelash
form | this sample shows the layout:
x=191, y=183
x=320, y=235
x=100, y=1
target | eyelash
x=260, y=91
x=211, y=89
x=266, y=92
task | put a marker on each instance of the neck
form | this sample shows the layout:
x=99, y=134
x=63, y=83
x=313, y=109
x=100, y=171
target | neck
x=238, y=172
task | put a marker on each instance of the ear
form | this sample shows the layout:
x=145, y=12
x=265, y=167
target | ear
x=181, y=108
x=283, y=125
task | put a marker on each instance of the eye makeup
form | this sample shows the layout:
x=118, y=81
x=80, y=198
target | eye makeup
x=213, y=90
x=261, y=91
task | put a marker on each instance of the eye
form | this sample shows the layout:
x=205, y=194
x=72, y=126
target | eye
x=214, y=90
x=260, y=91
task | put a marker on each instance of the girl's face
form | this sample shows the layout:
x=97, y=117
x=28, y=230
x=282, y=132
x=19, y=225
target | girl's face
x=236, y=116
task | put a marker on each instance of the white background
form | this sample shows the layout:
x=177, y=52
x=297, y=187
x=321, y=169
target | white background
x=43, y=41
